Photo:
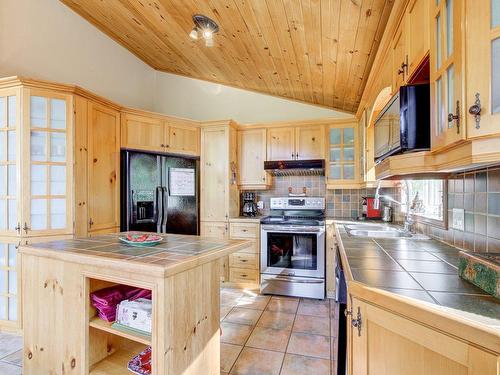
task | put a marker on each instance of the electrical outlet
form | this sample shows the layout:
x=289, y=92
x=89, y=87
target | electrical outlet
x=458, y=219
x=260, y=205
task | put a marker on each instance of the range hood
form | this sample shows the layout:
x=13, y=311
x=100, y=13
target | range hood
x=314, y=167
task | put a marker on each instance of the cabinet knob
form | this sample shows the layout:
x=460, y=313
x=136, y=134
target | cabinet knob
x=475, y=110
x=26, y=228
x=162, y=145
x=18, y=228
x=91, y=222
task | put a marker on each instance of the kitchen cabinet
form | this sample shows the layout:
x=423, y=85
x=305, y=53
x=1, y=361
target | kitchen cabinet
x=417, y=26
x=10, y=283
x=155, y=133
x=35, y=190
x=183, y=139
x=343, y=155
x=399, y=58
x=244, y=264
x=142, y=133
x=281, y=143
x=483, y=69
x=381, y=341
x=219, y=198
x=310, y=142
x=295, y=143
x=103, y=167
x=446, y=74
x=218, y=229
x=251, y=157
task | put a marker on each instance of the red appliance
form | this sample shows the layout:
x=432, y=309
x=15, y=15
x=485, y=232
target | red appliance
x=369, y=211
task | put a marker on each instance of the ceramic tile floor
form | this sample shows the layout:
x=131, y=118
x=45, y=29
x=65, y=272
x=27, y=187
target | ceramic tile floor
x=261, y=335
x=264, y=335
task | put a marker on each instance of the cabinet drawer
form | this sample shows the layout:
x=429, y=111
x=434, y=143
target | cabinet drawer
x=244, y=230
x=243, y=260
x=242, y=275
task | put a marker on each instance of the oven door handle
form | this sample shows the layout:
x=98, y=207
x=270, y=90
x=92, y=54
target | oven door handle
x=298, y=281
x=293, y=229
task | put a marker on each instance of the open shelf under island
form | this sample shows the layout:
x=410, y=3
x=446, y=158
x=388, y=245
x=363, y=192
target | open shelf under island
x=62, y=333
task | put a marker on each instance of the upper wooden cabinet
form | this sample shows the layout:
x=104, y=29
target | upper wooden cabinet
x=417, y=27
x=154, y=133
x=310, y=142
x=103, y=167
x=251, y=157
x=447, y=106
x=295, y=143
x=410, y=43
x=343, y=165
x=281, y=143
x=142, y=133
x=483, y=68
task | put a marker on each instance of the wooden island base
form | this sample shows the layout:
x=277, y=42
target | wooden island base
x=63, y=335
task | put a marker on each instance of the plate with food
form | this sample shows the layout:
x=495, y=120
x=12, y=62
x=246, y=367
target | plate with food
x=141, y=239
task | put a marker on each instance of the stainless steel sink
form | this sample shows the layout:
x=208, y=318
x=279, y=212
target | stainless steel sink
x=375, y=231
x=391, y=233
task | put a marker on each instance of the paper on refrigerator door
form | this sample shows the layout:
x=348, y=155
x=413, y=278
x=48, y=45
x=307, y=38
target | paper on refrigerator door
x=182, y=181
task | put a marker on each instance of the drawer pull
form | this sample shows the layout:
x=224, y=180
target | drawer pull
x=244, y=275
x=244, y=230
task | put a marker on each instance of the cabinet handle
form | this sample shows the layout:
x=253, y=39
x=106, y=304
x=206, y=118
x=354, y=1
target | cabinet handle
x=244, y=275
x=244, y=260
x=297, y=156
x=244, y=230
x=18, y=228
x=26, y=228
x=167, y=146
x=358, y=322
x=91, y=222
x=263, y=179
x=475, y=110
x=455, y=117
x=293, y=155
x=162, y=145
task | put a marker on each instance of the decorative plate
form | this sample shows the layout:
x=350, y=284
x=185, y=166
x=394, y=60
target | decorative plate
x=141, y=240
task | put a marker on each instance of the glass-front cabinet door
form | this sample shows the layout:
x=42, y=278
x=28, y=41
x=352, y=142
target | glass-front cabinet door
x=9, y=281
x=47, y=140
x=343, y=154
x=10, y=181
x=483, y=68
x=447, y=107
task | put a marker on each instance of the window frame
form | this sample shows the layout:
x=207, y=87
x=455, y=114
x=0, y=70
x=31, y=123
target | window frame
x=443, y=224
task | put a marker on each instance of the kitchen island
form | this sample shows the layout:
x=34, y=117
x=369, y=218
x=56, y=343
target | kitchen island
x=408, y=311
x=64, y=335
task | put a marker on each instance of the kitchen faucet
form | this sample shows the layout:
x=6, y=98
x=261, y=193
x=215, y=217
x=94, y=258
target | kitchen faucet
x=408, y=224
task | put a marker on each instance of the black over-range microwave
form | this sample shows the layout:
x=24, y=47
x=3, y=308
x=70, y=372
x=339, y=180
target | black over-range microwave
x=403, y=125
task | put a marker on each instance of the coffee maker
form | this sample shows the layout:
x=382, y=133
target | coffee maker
x=248, y=205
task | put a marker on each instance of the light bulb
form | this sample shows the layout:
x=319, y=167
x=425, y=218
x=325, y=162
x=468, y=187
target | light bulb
x=207, y=34
x=194, y=34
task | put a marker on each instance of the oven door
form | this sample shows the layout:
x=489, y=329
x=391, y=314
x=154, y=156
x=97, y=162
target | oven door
x=293, y=250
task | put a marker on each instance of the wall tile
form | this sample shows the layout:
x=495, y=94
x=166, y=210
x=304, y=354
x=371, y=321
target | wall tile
x=479, y=243
x=494, y=203
x=480, y=224
x=480, y=183
x=493, y=180
x=469, y=183
x=493, y=227
x=480, y=202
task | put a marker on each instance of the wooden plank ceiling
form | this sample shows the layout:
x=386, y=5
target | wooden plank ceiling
x=315, y=51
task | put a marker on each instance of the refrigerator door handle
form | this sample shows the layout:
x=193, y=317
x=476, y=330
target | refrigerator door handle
x=165, y=210
x=133, y=207
x=159, y=208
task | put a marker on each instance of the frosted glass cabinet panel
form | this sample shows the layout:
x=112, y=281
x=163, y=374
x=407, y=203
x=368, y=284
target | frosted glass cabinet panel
x=47, y=207
x=9, y=168
x=9, y=281
x=446, y=74
x=483, y=80
x=342, y=155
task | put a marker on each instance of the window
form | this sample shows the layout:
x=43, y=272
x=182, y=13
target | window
x=427, y=198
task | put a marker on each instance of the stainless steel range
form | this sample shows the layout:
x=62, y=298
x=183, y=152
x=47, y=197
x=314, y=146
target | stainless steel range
x=293, y=248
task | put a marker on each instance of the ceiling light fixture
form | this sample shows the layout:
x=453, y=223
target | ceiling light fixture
x=206, y=26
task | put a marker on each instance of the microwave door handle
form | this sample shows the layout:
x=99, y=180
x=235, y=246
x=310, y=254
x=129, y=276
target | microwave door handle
x=159, y=209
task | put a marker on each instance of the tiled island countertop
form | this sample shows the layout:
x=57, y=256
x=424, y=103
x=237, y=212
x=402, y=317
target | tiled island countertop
x=423, y=269
x=174, y=254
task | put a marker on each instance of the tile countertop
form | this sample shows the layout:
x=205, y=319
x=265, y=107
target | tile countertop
x=174, y=254
x=426, y=270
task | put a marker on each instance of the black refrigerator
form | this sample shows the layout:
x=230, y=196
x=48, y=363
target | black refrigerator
x=159, y=193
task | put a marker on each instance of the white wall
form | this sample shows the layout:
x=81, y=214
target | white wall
x=45, y=39
x=205, y=101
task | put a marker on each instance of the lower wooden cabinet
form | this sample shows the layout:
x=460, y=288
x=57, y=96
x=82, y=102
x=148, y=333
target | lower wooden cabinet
x=244, y=270
x=384, y=342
